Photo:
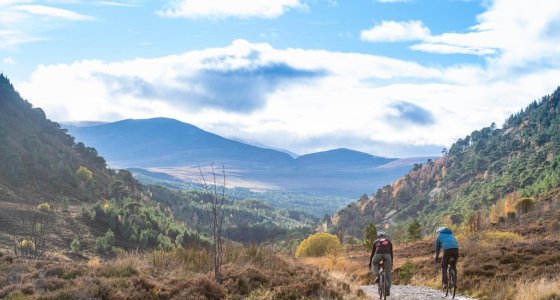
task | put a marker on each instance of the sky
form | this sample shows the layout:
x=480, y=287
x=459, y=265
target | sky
x=395, y=78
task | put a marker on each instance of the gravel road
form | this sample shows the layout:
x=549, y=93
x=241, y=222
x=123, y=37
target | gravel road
x=409, y=292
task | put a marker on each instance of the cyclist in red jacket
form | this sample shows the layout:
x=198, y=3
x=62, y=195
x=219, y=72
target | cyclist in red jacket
x=382, y=250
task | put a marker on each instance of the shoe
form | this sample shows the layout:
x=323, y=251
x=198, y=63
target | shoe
x=376, y=279
x=388, y=293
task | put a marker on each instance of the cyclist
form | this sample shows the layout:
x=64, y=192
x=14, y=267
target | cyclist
x=382, y=249
x=446, y=241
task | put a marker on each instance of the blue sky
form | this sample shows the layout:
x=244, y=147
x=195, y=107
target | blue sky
x=393, y=78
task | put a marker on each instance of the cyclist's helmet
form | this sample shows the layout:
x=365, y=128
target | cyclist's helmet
x=381, y=234
x=440, y=229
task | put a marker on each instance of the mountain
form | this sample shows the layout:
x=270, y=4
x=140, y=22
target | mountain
x=341, y=157
x=163, y=142
x=493, y=172
x=168, y=146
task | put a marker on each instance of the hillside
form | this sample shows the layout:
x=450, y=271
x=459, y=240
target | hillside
x=492, y=170
x=39, y=162
x=175, y=148
x=38, y=156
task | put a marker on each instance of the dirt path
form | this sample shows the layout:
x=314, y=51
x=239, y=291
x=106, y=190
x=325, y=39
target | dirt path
x=409, y=292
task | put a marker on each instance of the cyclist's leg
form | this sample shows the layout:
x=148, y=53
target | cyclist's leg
x=388, y=267
x=444, y=264
x=375, y=264
x=455, y=254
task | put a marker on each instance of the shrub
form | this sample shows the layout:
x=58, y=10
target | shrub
x=75, y=245
x=26, y=246
x=407, y=271
x=493, y=237
x=84, y=174
x=44, y=207
x=319, y=244
x=94, y=262
x=104, y=244
x=524, y=205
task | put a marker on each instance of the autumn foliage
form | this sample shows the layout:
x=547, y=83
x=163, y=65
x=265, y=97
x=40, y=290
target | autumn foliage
x=319, y=244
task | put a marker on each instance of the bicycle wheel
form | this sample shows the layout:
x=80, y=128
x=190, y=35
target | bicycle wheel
x=446, y=289
x=384, y=285
x=453, y=282
x=379, y=285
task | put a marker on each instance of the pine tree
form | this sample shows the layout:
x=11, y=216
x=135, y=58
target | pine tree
x=370, y=234
x=414, y=231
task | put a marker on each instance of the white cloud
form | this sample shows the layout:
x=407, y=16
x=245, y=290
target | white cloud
x=452, y=49
x=23, y=21
x=218, y=9
x=115, y=3
x=391, y=31
x=8, y=61
x=512, y=33
x=306, y=100
x=42, y=10
x=513, y=36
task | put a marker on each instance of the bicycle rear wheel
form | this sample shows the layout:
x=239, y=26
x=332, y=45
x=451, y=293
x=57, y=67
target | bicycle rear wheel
x=382, y=287
x=453, y=282
x=447, y=288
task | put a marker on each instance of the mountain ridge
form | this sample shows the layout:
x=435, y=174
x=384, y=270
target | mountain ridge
x=178, y=148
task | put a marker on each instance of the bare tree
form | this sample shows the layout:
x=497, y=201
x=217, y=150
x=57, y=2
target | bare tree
x=36, y=222
x=215, y=195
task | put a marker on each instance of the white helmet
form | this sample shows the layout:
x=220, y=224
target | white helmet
x=440, y=229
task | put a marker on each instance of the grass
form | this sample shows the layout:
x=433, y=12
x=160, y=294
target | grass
x=541, y=289
x=253, y=272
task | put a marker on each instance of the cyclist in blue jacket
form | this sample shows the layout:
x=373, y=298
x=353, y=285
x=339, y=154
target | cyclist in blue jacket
x=446, y=241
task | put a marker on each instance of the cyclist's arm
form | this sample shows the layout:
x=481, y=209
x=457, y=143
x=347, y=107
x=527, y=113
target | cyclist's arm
x=372, y=252
x=438, y=246
x=391, y=246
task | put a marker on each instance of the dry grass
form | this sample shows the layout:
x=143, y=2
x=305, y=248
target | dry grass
x=542, y=289
x=253, y=272
x=349, y=267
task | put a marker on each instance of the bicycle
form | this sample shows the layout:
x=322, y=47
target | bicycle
x=451, y=280
x=382, y=286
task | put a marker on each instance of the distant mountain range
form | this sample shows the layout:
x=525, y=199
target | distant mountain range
x=168, y=146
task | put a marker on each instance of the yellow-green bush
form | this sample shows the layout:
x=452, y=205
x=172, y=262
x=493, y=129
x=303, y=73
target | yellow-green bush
x=319, y=244
x=44, y=207
x=84, y=174
x=27, y=245
x=496, y=237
